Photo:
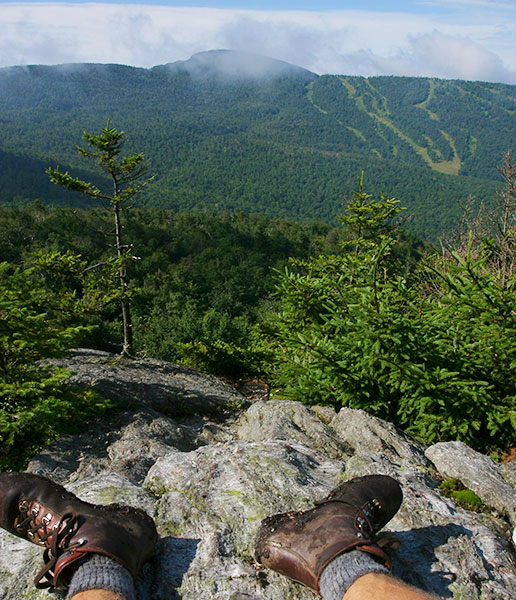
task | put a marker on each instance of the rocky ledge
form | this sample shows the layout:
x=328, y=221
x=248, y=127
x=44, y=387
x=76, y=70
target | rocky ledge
x=209, y=463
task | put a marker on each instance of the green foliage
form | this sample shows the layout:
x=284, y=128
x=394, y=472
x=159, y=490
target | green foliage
x=464, y=497
x=202, y=283
x=124, y=172
x=73, y=184
x=35, y=403
x=432, y=350
x=201, y=305
x=368, y=219
x=220, y=357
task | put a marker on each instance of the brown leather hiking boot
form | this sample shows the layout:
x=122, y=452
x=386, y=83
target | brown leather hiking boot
x=300, y=544
x=40, y=511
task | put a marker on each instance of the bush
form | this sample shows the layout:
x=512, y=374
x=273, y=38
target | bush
x=35, y=403
x=433, y=351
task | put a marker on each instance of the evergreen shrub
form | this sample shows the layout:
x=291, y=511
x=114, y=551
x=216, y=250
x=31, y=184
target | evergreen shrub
x=432, y=350
x=35, y=402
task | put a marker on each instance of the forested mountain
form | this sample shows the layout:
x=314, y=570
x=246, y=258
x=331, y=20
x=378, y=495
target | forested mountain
x=227, y=131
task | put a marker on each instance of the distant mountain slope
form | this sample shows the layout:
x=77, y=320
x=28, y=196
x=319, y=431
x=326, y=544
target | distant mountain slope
x=233, y=131
x=452, y=126
x=231, y=65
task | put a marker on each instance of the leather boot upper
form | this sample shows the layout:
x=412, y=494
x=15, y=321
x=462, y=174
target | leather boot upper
x=40, y=511
x=300, y=544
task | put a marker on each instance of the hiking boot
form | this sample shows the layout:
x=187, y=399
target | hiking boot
x=300, y=544
x=44, y=513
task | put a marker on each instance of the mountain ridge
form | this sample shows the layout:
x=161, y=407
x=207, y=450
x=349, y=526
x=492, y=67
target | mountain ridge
x=278, y=140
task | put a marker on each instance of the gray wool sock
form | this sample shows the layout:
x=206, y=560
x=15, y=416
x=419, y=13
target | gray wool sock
x=99, y=572
x=344, y=570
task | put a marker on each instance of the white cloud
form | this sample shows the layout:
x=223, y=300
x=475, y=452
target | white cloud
x=350, y=42
x=433, y=55
x=455, y=57
x=491, y=4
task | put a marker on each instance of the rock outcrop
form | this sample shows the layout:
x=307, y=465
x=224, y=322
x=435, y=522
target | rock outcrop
x=208, y=464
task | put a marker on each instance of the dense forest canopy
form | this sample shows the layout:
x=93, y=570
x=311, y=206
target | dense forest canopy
x=278, y=140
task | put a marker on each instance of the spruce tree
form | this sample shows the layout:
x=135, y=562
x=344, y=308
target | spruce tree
x=128, y=175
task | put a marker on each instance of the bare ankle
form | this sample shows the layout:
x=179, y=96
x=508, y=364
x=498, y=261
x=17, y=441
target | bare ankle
x=97, y=595
x=377, y=586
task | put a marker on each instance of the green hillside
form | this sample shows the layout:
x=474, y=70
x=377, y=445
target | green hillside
x=226, y=131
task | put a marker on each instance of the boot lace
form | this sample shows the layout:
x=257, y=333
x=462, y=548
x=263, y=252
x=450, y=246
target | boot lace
x=55, y=539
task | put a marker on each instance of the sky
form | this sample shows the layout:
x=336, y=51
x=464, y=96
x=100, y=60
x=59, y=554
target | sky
x=453, y=39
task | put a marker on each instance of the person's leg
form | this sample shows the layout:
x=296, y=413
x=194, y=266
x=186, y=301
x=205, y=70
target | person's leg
x=99, y=572
x=377, y=586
